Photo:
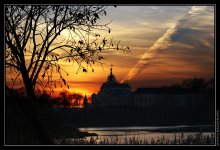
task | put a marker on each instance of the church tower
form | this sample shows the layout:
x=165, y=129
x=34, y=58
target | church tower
x=111, y=78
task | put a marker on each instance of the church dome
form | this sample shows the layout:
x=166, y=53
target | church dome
x=111, y=78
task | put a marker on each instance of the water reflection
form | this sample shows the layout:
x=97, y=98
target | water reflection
x=139, y=133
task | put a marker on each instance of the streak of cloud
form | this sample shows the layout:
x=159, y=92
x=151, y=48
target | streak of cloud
x=161, y=44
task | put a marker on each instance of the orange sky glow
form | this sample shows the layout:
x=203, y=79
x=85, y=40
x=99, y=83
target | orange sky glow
x=187, y=51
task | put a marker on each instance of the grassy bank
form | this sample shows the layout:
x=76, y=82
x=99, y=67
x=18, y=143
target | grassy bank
x=193, y=139
x=19, y=130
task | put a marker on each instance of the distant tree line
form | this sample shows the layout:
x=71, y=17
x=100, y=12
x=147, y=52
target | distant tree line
x=66, y=98
x=196, y=85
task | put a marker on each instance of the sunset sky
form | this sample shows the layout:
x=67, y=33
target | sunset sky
x=168, y=44
x=187, y=52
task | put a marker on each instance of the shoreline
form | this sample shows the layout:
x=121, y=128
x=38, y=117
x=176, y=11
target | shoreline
x=199, y=129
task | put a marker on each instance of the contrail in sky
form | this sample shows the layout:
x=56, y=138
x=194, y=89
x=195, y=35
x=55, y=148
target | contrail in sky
x=162, y=43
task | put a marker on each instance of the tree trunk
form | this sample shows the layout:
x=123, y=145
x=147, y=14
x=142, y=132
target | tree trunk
x=31, y=111
x=39, y=130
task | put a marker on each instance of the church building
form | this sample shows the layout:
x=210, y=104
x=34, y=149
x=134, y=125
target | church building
x=113, y=93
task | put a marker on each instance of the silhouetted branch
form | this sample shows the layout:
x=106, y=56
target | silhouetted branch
x=35, y=41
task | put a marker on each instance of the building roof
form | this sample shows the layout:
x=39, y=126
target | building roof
x=162, y=91
x=115, y=85
x=112, y=82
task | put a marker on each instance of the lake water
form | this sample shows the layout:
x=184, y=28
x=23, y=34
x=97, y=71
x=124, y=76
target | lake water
x=140, y=133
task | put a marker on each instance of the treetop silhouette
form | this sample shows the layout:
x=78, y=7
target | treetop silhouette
x=35, y=42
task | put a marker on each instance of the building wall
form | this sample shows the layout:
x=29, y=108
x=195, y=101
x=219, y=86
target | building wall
x=152, y=100
x=177, y=100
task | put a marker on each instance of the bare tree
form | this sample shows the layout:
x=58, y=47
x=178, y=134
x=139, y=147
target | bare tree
x=35, y=44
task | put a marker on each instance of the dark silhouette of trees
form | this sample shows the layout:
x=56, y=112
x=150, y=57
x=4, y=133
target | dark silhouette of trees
x=195, y=84
x=65, y=96
x=44, y=98
x=76, y=97
x=39, y=37
x=68, y=97
x=85, y=102
x=210, y=87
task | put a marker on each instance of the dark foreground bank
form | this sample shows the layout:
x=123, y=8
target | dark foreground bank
x=122, y=116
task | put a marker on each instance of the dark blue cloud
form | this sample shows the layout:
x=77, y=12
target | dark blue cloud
x=196, y=29
x=197, y=38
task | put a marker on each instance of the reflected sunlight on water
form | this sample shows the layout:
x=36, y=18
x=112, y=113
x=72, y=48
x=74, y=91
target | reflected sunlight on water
x=140, y=133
